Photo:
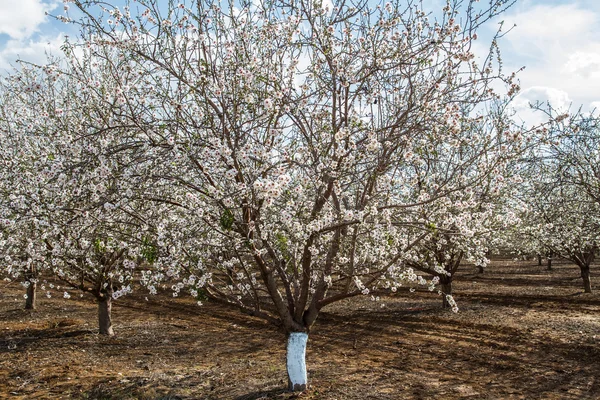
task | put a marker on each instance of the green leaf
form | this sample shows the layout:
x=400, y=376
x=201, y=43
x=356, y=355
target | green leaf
x=149, y=250
x=227, y=220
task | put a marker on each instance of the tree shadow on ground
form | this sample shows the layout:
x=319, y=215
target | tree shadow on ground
x=31, y=336
x=401, y=341
x=573, y=301
x=111, y=390
x=269, y=394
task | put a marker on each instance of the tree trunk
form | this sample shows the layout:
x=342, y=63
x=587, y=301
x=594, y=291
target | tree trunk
x=31, y=277
x=585, y=274
x=104, y=318
x=550, y=262
x=539, y=258
x=31, y=294
x=480, y=268
x=446, y=290
x=296, y=361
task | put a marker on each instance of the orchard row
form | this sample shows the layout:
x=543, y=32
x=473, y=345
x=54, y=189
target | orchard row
x=282, y=156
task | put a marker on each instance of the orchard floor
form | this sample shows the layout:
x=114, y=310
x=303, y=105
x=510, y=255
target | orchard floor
x=522, y=333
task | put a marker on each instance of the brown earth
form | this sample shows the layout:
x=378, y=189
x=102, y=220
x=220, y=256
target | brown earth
x=522, y=333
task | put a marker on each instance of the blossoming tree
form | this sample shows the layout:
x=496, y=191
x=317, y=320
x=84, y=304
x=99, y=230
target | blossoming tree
x=563, y=190
x=21, y=185
x=286, y=141
x=85, y=223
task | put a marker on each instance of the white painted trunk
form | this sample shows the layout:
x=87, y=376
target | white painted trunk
x=296, y=361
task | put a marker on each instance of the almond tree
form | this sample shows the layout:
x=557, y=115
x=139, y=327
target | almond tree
x=465, y=224
x=575, y=144
x=284, y=136
x=564, y=223
x=75, y=202
x=21, y=185
x=563, y=193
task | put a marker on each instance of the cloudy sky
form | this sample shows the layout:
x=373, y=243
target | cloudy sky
x=557, y=41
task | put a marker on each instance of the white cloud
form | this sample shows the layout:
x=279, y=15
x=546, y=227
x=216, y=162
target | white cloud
x=544, y=23
x=29, y=50
x=560, y=47
x=584, y=63
x=558, y=99
x=21, y=19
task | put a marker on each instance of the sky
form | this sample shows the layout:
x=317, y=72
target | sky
x=557, y=41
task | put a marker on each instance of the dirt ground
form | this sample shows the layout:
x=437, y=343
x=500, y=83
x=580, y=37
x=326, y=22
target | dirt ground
x=522, y=333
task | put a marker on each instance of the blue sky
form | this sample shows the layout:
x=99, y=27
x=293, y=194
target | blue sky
x=558, y=41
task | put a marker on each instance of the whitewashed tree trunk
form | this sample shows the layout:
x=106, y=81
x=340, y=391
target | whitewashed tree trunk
x=296, y=361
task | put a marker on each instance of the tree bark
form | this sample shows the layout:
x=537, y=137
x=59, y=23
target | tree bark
x=585, y=274
x=31, y=277
x=31, y=295
x=539, y=258
x=550, y=262
x=480, y=268
x=446, y=290
x=296, y=361
x=104, y=315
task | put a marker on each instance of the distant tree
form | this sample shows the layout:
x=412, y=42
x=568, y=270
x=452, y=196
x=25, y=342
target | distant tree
x=72, y=205
x=563, y=191
x=466, y=223
x=21, y=185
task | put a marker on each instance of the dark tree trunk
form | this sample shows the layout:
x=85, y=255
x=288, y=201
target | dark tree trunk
x=31, y=277
x=446, y=290
x=104, y=318
x=104, y=312
x=539, y=258
x=585, y=274
x=550, y=261
x=31, y=295
x=480, y=268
